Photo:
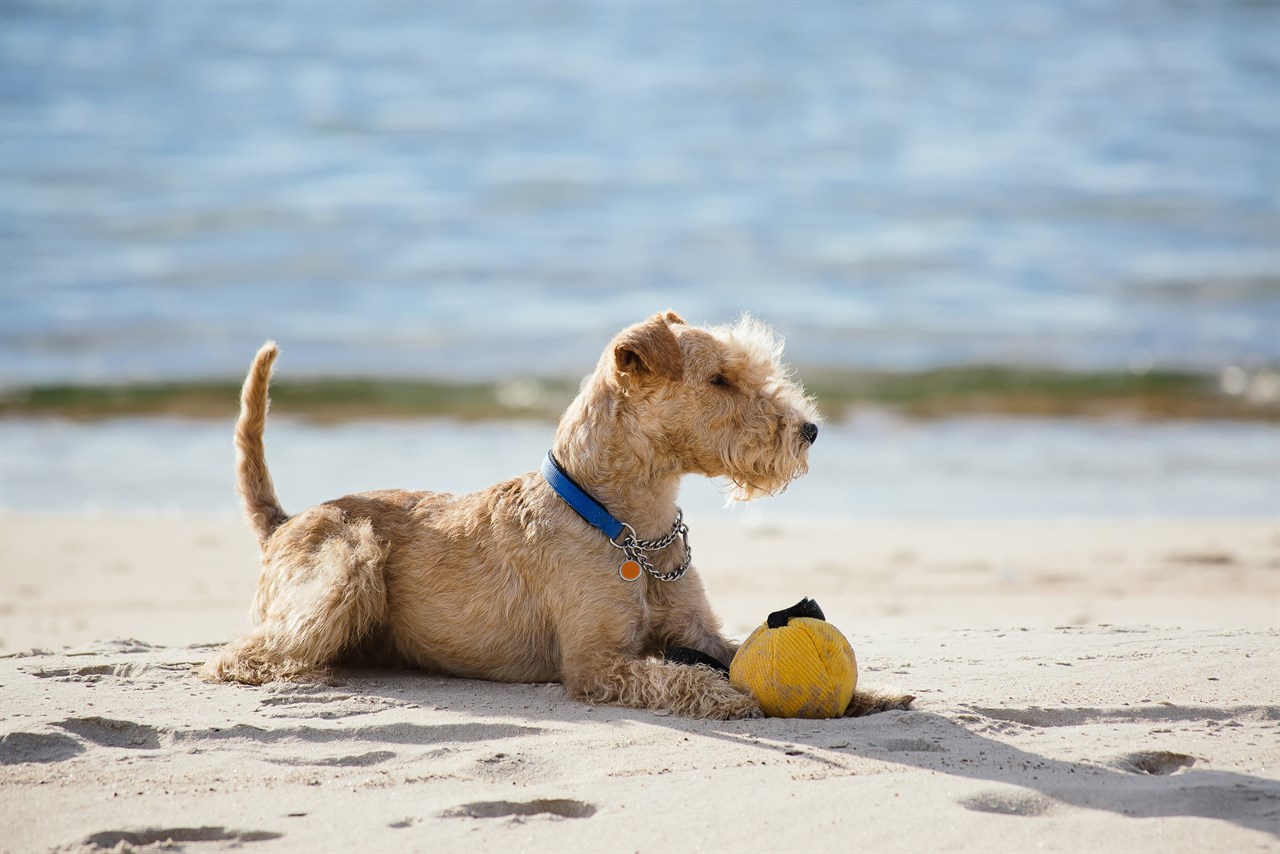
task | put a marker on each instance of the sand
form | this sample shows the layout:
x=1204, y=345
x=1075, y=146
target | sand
x=1083, y=685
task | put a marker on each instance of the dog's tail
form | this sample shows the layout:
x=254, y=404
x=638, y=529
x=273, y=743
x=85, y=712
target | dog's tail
x=253, y=481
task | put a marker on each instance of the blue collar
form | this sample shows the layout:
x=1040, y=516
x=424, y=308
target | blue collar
x=577, y=498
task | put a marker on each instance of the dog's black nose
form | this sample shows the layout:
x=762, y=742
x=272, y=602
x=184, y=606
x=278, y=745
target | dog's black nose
x=810, y=432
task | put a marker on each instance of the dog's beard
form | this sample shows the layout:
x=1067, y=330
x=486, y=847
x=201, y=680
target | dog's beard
x=759, y=472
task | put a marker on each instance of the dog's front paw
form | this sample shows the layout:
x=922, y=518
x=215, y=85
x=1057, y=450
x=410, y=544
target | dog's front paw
x=871, y=702
x=726, y=703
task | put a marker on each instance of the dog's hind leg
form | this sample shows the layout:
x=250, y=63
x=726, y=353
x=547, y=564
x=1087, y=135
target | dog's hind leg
x=321, y=595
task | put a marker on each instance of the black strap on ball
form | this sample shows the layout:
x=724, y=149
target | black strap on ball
x=804, y=608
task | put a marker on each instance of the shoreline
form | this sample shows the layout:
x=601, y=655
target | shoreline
x=926, y=394
x=868, y=467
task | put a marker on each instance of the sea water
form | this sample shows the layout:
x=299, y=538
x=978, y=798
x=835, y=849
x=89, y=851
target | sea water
x=484, y=189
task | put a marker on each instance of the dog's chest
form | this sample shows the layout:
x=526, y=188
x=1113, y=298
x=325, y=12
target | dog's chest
x=652, y=604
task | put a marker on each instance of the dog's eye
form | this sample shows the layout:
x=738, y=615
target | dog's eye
x=719, y=379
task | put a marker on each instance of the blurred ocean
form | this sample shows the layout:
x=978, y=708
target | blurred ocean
x=481, y=189
x=485, y=190
x=870, y=467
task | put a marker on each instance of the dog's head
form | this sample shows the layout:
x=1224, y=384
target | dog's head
x=717, y=400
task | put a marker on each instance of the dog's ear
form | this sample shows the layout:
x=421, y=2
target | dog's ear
x=650, y=350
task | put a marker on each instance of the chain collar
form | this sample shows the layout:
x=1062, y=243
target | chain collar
x=632, y=546
x=635, y=548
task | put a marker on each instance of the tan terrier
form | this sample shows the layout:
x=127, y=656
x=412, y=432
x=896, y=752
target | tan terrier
x=514, y=583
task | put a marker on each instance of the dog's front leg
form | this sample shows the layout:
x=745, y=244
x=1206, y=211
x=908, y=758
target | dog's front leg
x=647, y=683
x=688, y=621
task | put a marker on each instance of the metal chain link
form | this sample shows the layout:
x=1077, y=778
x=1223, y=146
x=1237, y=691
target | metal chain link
x=635, y=548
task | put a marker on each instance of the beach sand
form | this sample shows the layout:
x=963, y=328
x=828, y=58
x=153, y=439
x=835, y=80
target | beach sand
x=1083, y=685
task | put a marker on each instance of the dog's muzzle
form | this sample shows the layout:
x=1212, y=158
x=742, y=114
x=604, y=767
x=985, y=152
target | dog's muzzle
x=810, y=432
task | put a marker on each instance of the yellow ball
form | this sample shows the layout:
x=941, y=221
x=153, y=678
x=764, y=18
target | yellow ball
x=804, y=668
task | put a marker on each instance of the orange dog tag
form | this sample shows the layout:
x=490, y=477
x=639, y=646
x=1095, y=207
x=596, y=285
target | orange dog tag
x=630, y=570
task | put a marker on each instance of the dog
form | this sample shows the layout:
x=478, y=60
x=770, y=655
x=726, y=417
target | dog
x=578, y=573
